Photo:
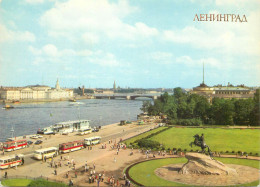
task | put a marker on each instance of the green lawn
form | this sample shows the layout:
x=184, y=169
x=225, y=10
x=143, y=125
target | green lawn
x=29, y=182
x=127, y=142
x=247, y=140
x=144, y=172
x=16, y=182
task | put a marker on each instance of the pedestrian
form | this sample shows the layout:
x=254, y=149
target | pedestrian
x=246, y=155
x=124, y=177
x=91, y=173
x=3, y=151
x=94, y=166
x=45, y=159
x=76, y=174
x=71, y=182
x=117, y=152
x=55, y=172
x=89, y=180
x=98, y=181
x=117, y=182
x=6, y=174
x=60, y=157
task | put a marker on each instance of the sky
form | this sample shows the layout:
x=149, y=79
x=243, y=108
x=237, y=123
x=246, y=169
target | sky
x=137, y=43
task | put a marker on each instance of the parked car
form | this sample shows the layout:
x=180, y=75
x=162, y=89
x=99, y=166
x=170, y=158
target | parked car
x=34, y=137
x=38, y=142
x=95, y=130
x=39, y=136
x=29, y=142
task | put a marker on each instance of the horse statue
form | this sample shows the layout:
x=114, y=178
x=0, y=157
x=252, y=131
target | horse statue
x=199, y=141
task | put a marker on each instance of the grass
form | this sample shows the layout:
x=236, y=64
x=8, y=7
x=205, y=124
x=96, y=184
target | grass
x=246, y=140
x=127, y=142
x=29, y=182
x=16, y=182
x=143, y=173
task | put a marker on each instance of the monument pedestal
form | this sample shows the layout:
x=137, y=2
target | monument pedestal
x=202, y=164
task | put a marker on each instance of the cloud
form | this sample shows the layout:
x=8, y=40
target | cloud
x=50, y=50
x=161, y=57
x=94, y=21
x=223, y=37
x=187, y=60
x=34, y=1
x=8, y=35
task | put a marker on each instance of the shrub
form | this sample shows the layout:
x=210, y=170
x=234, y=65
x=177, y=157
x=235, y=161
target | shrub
x=227, y=151
x=185, y=150
x=174, y=149
x=256, y=154
x=239, y=152
x=233, y=151
x=250, y=153
x=179, y=149
x=221, y=152
x=186, y=122
x=148, y=143
x=42, y=182
x=191, y=150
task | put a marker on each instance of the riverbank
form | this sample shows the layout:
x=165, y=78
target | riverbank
x=44, y=100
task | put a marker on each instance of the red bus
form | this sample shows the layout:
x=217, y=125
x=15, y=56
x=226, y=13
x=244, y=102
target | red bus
x=71, y=146
x=14, y=145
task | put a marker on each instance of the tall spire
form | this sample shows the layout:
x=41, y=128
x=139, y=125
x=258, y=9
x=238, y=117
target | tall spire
x=203, y=73
x=114, y=86
x=57, y=85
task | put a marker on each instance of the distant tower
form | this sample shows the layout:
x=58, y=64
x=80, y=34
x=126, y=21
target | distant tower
x=57, y=85
x=83, y=89
x=203, y=73
x=114, y=86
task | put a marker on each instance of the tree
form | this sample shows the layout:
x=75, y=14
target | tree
x=255, y=113
x=243, y=110
x=145, y=106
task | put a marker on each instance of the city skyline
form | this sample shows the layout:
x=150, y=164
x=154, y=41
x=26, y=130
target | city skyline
x=139, y=44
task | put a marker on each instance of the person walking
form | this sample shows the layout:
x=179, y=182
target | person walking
x=6, y=174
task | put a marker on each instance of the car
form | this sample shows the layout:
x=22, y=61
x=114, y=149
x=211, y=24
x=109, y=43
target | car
x=95, y=130
x=39, y=136
x=29, y=142
x=34, y=137
x=38, y=142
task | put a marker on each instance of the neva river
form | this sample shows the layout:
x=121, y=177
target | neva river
x=27, y=118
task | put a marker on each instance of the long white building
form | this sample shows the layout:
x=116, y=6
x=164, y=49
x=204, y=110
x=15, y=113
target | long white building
x=35, y=92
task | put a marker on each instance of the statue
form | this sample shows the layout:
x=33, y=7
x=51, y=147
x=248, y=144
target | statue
x=199, y=141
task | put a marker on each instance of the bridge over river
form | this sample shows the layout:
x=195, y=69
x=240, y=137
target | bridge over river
x=126, y=96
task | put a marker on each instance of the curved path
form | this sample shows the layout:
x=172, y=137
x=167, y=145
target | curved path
x=170, y=156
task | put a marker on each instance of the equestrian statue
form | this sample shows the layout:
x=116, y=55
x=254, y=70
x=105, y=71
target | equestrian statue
x=199, y=141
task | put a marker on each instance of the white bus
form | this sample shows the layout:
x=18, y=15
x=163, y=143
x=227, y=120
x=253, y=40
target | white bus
x=92, y=140
x=40, y=154
x=11, y=161
x=84, y=131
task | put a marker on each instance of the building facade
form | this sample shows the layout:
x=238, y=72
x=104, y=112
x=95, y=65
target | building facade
x=35, y=92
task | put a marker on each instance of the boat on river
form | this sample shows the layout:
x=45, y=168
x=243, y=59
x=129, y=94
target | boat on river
x=65, y=127
x=8, y=107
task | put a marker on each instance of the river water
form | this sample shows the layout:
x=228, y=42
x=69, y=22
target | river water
x=28, y=118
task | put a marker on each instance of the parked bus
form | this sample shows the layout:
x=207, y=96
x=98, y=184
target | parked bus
x=84, y=131
x=40, y=154
x=11, y=161
x=92, y=140
x=14, y=145
x=71, y=146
